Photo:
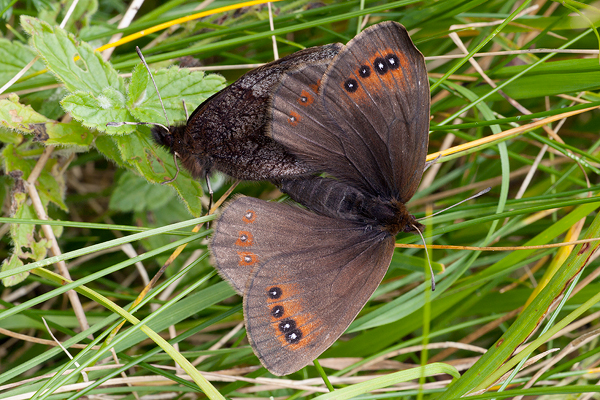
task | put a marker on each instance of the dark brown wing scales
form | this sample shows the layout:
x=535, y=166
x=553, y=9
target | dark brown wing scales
x=377, y=92
x=228, y=131
x=312, y=276
x=306, y=274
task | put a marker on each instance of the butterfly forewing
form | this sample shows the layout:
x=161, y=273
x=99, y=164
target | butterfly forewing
x=312, y=275
x=376, y=90
x=369, y=126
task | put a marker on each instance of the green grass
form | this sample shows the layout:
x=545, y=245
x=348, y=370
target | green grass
x=116, y=226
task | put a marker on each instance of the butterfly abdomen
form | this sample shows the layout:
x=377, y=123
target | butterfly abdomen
x=337, y=199
x=325, y=196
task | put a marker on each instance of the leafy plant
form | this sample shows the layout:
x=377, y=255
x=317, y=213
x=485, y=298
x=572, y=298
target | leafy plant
x=497, y=121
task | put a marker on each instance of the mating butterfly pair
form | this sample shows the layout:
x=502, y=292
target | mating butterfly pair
x=358, y=113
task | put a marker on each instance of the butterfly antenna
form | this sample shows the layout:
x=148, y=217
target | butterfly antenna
x=136, y=123
x=484, y=191
x=139, y=52
x=428, y=260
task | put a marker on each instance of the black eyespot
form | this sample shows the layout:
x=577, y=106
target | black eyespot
x=287, y=325
x=274, y=292
x=380, y=65
x=351, y=85
x=294, y=336
x=392, y=61
x=277, y=311
x=364, y=71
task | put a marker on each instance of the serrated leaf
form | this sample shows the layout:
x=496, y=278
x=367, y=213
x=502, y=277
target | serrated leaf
x=136, y=91
x=67, y=134
x=12, y=263
x=59, y=49
x=134, y=193
x=96, y=111
x=16, y=116
x=13, y=57
x=107, y=146
x=84, y=9
x=22, y=118
x=154, y=164
x=174, y=86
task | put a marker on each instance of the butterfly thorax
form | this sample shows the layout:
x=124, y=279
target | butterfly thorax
x=393, y=216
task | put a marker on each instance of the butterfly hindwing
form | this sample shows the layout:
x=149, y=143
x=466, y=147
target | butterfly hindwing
x=311, y=277
x=298, y=120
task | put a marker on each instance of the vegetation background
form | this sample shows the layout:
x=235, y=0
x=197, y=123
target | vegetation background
x=520, y=116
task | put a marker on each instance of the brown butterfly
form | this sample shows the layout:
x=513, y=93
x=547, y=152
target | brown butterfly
x=362, y=118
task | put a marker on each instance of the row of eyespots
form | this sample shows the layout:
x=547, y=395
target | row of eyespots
x=245, y=239
x=381, y=65
x=305, y=100
x=288, y=325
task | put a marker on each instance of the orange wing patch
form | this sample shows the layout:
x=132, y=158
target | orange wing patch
x=245, y=239
x=305, y=99
x=315, y=87
x=247, y=258
x=294, y=118
x=390, y=67
x=249, y=217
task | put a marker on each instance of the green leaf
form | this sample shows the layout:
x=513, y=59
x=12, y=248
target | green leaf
x=96, y=111
x=8, y=136
x=153, y=163
x=134, y=193
x=174, y=86
x=11, y=263
x=16, y=116
x=59, y=49
x=109, y=148
x=13, y=57
x=24, y=119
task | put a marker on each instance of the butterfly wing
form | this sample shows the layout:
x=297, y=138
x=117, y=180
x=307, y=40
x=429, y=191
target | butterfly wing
x=310, y=277
x=370, y=124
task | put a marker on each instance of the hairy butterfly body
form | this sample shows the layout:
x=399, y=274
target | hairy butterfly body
x=306, y=273
x=227, y=132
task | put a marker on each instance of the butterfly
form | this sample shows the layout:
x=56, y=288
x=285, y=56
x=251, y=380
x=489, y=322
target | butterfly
x=305, y=273
x=227, y=132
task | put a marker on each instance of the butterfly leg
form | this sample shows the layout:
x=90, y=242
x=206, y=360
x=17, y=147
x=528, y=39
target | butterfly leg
x=210, y=194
